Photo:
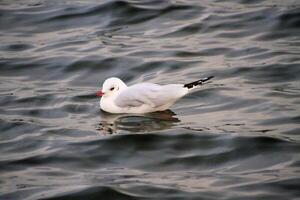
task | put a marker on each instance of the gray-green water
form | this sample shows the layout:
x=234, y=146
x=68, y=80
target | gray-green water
x=236, y=138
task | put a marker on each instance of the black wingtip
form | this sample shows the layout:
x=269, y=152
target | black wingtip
x=208, y=78
x=199, y=82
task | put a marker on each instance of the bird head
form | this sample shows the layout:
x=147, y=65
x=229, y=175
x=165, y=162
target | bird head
x=111, y=87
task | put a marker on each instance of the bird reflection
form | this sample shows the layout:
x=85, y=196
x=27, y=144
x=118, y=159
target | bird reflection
x=136, y=123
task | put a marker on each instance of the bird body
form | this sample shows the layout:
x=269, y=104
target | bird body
x=117, y=97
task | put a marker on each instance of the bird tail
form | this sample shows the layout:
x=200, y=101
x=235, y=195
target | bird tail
x=199, y=82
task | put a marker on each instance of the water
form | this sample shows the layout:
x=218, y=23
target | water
x=236, y=138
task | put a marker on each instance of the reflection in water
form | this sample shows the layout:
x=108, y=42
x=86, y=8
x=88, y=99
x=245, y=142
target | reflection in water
x=112, y=123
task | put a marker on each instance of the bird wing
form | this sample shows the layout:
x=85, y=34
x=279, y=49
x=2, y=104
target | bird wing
x=151, y=94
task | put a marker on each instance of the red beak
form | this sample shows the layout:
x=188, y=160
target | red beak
x=100, y=93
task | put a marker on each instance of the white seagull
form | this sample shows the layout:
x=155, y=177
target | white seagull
x=117, y=97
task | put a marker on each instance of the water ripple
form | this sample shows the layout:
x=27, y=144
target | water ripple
x=235, y=138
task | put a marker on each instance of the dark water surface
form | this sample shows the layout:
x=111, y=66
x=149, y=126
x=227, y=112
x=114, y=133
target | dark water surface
x=237, y=138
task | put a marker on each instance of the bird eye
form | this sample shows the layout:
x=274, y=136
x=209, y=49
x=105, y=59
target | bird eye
x=111, y=89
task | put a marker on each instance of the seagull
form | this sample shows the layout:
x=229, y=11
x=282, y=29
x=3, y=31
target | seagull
x=117, y=97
